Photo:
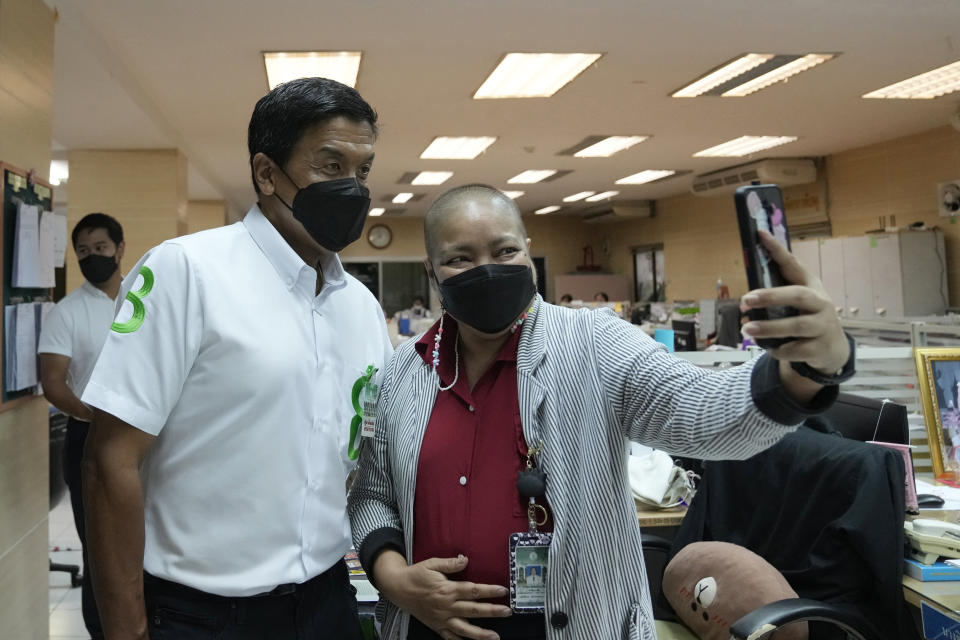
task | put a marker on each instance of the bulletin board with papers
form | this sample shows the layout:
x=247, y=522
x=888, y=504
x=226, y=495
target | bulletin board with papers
x=34, y=241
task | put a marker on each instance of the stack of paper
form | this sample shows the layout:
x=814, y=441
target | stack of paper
x=22, y=324
x=34, y=244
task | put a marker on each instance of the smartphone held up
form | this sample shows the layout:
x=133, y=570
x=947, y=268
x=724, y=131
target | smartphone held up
x=760, y=207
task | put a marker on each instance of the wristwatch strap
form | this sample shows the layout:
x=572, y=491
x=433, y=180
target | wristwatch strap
x=845, y=373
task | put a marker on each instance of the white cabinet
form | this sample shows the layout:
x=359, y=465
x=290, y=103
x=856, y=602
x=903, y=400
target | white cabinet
x=884, y=275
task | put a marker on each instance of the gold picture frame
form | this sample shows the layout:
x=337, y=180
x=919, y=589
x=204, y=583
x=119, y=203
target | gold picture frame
x=938, y=372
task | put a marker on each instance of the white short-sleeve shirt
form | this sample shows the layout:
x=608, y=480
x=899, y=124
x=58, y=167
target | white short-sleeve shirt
x=224, y=352
x=77, y=328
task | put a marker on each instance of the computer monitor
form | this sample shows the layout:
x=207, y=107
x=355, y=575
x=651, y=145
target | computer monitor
x=684, y=335
x=859, y=418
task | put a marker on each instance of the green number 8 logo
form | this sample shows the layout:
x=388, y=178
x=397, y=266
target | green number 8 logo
x=353, y=446
x=136, y=298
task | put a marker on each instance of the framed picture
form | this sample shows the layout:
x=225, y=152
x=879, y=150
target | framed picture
x=938, y=371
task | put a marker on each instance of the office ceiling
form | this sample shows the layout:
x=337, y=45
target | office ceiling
x=186, y=73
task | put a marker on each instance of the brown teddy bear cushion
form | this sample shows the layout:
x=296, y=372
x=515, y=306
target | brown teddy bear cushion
x=711, y=585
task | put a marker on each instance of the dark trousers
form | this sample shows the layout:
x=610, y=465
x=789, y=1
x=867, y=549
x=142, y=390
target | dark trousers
x=319, y=609
x=520, y=626
x=73, y=475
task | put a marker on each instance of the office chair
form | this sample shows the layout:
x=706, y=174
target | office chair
x=826, y=512
x=58, y=487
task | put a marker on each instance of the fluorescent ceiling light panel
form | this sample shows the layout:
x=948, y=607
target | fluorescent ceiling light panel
x=779, y=74
x=606, y=195
x=513, y=195
x=925, y=86
x=646, y=176
x=533, y=75
x=744, y=146
x=609, y=146
x=283, y=66
x=457, y=147
x=549, y=209
x=531, y=176
x=401, y=198
x=579, y=196
x=724, y=74
x=377, y=211
x=432, y=177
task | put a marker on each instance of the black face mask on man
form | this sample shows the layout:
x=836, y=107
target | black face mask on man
x=98, y=269
x=332, y=212
x=489, y=297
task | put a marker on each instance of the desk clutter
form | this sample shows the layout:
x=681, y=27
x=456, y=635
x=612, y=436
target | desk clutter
x=933, y=544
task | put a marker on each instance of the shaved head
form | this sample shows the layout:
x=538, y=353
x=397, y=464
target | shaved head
x=482, y=198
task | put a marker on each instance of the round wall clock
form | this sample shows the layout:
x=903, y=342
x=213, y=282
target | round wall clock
x=379, y=236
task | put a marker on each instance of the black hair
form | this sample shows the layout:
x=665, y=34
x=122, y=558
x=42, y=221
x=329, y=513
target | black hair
x=99, y=221
x=281, y=117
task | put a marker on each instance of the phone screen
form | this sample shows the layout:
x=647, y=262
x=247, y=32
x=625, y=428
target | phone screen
x=766, y=214
x=760, y=207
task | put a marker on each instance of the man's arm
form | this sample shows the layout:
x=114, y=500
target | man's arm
x=114, y=506
x=53, y=375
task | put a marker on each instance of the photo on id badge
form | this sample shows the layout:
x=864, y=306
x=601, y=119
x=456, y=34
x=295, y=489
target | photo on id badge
x=528, y=571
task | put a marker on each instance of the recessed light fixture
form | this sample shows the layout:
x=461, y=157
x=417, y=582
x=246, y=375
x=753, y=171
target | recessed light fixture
x=609, y=146
x=377, y=211
x=401, y=198
x=925, y=86
x=513, y=195
x=531, y=176
x=283, y=66
x=606, y=195
x=59, y=172
x=744, y=146
x=579, y=196
x=549, y=209
x=432, y=177
x=646, y=176
x=778, y=74
x=533, y=75
x=723, y=75
x=457, y=147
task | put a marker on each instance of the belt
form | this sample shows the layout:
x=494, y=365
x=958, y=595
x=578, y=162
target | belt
x=287, y=589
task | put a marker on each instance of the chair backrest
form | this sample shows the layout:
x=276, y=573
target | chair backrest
x=863, y=419
x=827, y=512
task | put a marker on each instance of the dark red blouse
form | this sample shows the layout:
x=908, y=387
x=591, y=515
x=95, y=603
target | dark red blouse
x=466, y=498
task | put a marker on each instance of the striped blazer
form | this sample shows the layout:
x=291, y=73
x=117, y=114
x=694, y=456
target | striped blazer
x=588, y=383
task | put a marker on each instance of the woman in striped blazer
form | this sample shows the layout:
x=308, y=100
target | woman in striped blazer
x=434, y=499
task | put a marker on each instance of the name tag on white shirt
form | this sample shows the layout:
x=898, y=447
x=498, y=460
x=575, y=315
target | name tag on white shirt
x=369, y=398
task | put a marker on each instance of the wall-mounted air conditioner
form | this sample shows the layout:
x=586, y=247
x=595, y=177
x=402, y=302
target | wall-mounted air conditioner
x=782, y=171
x=618, y=211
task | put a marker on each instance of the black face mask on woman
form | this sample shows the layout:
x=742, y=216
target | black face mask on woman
x=489, y=297
x=332, y=212
x=98, y=269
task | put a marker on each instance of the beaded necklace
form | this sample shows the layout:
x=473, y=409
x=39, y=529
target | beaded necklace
x=456, y=349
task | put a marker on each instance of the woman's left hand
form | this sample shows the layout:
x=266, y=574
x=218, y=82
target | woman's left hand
x=817, y=336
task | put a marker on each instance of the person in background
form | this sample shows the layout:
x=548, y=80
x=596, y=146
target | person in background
x=601, y=296
x=511, y=410
x=226, y=395
x=566, y=298
x=417, y=310
x=73, y=334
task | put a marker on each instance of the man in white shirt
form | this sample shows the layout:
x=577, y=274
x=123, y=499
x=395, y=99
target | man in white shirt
x=71, y=339
x=229, y=399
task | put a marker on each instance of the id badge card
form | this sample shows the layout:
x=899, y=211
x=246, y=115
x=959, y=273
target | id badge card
x=529, y=552
x=369, y=401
